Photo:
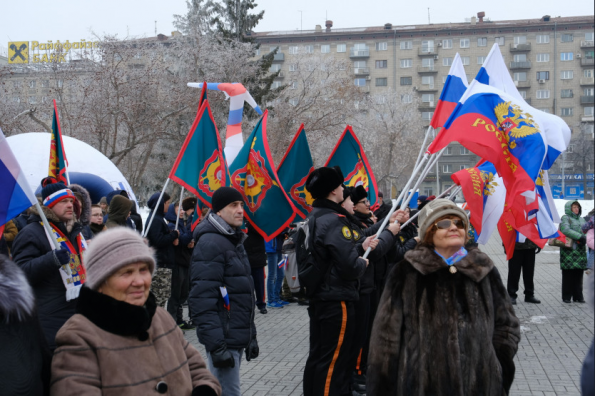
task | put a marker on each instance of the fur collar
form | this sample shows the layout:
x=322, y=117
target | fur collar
x=16, y=297
x=115, y=316
x=85, y=217
x=476, y=265
x=328, y=204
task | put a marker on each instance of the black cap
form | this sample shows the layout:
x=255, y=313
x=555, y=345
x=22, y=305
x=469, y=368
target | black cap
x=323, y=180
x=224, y=196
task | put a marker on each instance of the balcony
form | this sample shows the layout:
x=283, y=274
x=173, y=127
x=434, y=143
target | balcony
x=359, y=53
x=520, y=65
x=523, y=84
x=586, y=118
x=279, y=57
x=427, y=69
x=587, y=81
x=587, y=99
x=426, y=88
x=281, y=75
x=520, y=47
x=361, y=71
x=587, y=62
x=427, y=51
x=587, y=44
x=427, y=106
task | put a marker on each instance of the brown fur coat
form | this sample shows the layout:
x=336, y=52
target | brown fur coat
x=438, y=333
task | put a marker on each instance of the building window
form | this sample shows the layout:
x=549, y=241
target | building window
x=480, y=60
x=382, y=46
x=446, y=61
x=519, y=58
x=461, y=167
x=257, y=51
x=447, y=151
x=360, y=82
x=427, y=46
x=428, y=63
x=275, y=84
x=60, y=83
x=427, y=98
x=566, y=56
x=589, y=111
x=464, y=151
x=519, y=76
x=309, y=49
x=427, y=115
x=325, y=48
x=520, y=39
x=406, y=45
x=32, y=83
x=544, y=109
x=406, y=80
x=293, y=50
x=466, y=60
x=482, y=42
x=567, y=75
x=428, y=80
x=499, y=40
x=589, y=36
x=294, y=101
x=406, y=98
x=543, y=57
x=444, y=79
x=382, y=82
x=293, y=85
x=381, y=64
x=543, y=94
x=275, y=68
x=341, y=47
x=32, y=99
x=523, y=94
x=588, y=91
x=567, y=111
x=465, y=43
x=446, y=168
x=447, y=44
x=45, y=83
x=567, y=37
x=588, y=73
x=543, y=75
x=543, y=38
x=293, y=67
x=566, y=93
x=359, y=64
x=406, y=63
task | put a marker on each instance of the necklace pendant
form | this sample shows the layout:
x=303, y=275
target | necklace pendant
x=453, y=269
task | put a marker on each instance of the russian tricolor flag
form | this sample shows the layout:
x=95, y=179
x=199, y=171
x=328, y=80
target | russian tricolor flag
x=454, y=88
x=15, y=194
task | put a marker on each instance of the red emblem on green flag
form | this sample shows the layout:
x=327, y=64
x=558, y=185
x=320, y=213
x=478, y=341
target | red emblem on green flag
x=200, y=165
x=58, y=162
x=267, y=206
x=349, y=155
x=293, y=171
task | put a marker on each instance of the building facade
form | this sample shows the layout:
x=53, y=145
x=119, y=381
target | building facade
x=550, y=59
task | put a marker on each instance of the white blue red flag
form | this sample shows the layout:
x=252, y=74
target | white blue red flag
x=454, y=87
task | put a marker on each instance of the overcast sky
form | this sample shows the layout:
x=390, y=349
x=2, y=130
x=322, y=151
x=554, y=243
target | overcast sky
x=42, y=20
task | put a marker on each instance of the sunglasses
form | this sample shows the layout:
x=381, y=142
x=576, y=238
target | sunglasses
x=446, y=223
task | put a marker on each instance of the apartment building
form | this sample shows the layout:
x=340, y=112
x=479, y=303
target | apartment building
x=550, y=59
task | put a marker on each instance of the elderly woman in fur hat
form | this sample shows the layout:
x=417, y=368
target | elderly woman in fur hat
x=445, y=324
x=120, y=342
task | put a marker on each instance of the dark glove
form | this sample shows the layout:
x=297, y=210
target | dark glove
x=537, y=250
x=252, y=350
x=222, y=358
x=583, y=240
x=61, y=257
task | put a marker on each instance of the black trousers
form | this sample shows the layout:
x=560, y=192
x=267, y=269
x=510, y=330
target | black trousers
x=362, y=320
x=572, y=284
x=180, y=289
x=259, y=286
x=521, y=261
x=332, y=326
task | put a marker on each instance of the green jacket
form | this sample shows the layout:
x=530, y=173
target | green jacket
x=575, y=257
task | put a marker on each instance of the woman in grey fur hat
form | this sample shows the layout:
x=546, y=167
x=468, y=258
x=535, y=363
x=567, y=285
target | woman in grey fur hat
x=445, y=324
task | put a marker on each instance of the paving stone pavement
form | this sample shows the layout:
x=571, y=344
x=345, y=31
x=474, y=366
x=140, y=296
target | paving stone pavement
x=555, y=338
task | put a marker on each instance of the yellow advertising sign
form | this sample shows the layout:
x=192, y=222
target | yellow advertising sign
x=18, y=52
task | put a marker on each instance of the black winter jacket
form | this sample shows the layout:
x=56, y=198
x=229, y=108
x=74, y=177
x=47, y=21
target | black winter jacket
x=219, y=259
x=333, y=242
x=160, y=237
x=32, y=252
x=405, y=243
x=182, y=253
x=255, y=249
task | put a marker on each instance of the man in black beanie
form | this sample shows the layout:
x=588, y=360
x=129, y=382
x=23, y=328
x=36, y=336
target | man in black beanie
x=331, y=309
x=222, y=298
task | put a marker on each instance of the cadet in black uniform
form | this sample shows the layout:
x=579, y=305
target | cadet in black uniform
x=331, y=309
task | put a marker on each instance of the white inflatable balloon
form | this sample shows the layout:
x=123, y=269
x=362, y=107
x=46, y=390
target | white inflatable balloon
x=32, y=150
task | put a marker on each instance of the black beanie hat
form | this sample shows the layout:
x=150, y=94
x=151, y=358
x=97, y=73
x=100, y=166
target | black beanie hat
x=188, y=203
x=50, y=185
x=224, y=196
x=358, y=193
x=323, y=180
x=346, y=192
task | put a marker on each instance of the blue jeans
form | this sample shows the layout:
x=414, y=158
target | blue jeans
x=229, y=378
x=276, y=275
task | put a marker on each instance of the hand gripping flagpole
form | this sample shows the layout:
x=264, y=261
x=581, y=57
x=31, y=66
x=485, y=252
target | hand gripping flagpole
x=50, y=232
x=155, y=209
x=179, y=208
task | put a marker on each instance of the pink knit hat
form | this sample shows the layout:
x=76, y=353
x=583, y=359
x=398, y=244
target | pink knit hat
x=113, y=249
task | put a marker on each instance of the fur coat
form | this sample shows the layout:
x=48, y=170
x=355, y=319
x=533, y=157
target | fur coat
x=439, y=333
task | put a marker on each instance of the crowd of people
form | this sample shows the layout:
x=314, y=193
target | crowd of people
x=426, y=312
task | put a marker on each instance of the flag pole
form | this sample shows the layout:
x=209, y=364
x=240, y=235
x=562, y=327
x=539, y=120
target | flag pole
x=50, y=232
x=440, y=196
x=431, y=163
x=179, y=208
x=421, y=149
x=155, y=209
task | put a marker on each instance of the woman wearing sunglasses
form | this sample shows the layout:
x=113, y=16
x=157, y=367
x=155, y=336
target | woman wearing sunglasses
x=445, y=324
